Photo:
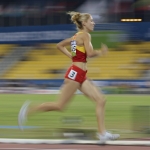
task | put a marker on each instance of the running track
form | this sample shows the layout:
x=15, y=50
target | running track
x=41, y=144
x=68, y=147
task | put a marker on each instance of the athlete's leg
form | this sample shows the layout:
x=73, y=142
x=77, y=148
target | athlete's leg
x=99, y=98
x=68, y=89
x=91, y=91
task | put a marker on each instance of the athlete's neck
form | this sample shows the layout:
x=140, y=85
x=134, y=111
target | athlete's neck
x=84, y=30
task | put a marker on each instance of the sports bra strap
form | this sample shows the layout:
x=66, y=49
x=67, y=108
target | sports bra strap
x=74, y=37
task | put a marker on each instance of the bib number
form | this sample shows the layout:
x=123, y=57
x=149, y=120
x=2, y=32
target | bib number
x=72, y=74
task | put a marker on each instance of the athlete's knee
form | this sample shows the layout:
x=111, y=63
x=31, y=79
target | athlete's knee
x=101, y=100
x=104, y=99
x=60, y=107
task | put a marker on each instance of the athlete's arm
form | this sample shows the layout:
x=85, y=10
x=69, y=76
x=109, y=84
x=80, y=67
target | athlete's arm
x=89, y=48
x=61, y=46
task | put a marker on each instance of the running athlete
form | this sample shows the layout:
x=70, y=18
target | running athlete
x=75, y=77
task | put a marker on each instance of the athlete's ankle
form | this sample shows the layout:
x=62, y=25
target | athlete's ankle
x=102, y=133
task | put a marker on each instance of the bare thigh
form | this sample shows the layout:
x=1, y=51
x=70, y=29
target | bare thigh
x=91, y=91
x=67, y=91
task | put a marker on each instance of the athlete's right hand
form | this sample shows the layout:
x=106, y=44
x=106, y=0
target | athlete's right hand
x=104, y=49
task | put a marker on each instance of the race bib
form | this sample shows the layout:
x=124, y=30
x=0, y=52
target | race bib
x=72, y=74
x=73, y=48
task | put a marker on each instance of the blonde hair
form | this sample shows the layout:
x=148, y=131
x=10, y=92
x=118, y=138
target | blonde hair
x=77, y=18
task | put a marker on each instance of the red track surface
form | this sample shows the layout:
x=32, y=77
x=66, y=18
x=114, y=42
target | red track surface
x=68, y=147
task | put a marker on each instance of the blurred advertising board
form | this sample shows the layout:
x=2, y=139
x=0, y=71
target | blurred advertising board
x=35, y=34
x=52, y=86
x=110, y=33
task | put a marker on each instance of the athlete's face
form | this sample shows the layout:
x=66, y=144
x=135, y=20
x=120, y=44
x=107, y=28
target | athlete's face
x=89, y=24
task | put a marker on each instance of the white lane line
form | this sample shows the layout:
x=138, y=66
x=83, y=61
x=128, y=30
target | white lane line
x=44, y=141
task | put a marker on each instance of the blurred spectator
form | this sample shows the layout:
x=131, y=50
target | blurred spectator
x=146, y=73
x=144, y=60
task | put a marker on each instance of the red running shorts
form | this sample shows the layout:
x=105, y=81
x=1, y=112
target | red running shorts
x=76, y=74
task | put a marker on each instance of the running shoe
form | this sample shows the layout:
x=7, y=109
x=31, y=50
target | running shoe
x=22, y=117
x=108, y=136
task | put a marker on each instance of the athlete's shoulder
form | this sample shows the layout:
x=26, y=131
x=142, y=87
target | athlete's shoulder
x=83, y=34
x=86, y=36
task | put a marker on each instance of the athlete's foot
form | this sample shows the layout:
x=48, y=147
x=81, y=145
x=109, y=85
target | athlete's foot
x=22, y=117
x=108, y=136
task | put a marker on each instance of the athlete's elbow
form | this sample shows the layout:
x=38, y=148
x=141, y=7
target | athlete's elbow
x=58, y=45
x=89, y=55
